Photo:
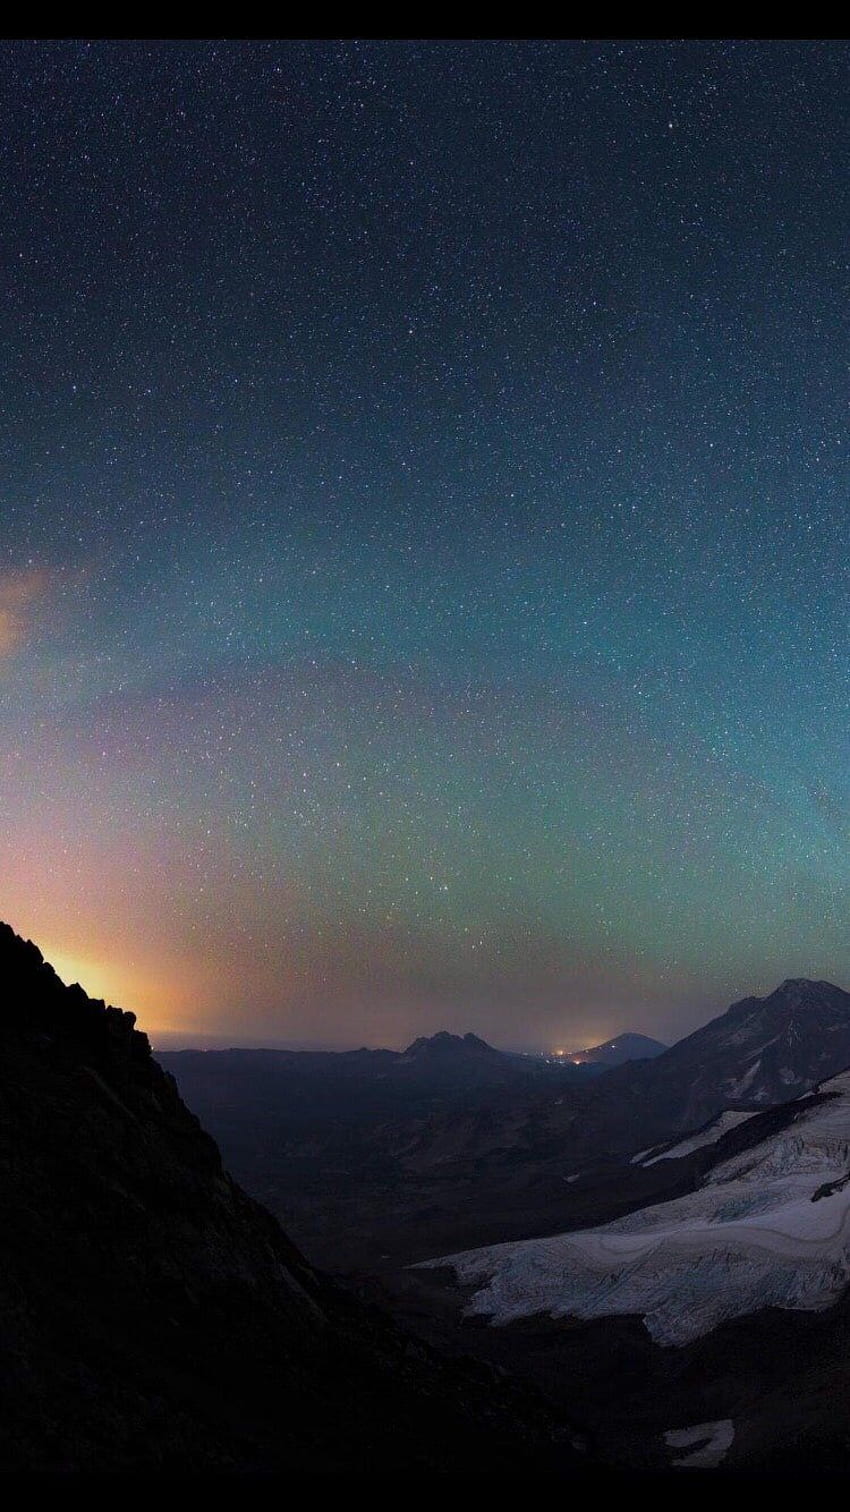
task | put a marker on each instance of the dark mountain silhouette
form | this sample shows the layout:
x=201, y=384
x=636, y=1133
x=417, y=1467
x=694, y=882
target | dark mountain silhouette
x=444, y=1043
x=154, y=1317
x=615, y=1052
x=439, y=1061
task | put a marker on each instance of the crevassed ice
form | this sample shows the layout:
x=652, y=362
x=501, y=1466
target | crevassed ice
x=750, y=1237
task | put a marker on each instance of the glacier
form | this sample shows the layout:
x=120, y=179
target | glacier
x=768, y=1227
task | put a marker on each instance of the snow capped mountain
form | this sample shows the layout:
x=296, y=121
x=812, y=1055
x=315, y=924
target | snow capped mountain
x=769, y=1226
x=760, y=1052
x=764, y=1050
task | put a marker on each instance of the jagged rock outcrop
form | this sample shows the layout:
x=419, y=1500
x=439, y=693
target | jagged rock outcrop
x=152, y=1316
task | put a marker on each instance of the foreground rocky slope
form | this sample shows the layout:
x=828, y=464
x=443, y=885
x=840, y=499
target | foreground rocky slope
x=154, y=1317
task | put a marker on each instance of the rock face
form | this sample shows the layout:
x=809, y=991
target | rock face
x=766, y=1050
x=761, y=1051
x=154, y=1317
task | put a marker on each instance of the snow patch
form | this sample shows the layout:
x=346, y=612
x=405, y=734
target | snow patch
x=743, y=1085
x=709, y=1135
x=714, y=1440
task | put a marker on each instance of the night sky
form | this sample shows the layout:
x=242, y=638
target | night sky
x=424, y=531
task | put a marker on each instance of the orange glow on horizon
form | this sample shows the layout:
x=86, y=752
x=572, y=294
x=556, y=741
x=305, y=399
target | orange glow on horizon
x=136, y=990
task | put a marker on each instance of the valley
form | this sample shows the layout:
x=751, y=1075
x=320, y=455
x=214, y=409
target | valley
x=648, y=1269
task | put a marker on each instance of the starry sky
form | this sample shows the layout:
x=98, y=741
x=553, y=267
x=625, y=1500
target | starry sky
x=424, y=531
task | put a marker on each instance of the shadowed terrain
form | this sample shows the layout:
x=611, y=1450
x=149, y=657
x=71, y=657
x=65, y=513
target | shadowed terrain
x=373, y=1158
x=153, y=1317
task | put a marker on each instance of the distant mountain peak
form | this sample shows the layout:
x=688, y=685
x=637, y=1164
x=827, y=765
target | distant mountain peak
x=794, y=992
x=760, y=1052
x=616, y=1051
x=806, y=985
x=443, y=1043
x=475, y=1042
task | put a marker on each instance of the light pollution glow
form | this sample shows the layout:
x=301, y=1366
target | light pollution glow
x=423, y=532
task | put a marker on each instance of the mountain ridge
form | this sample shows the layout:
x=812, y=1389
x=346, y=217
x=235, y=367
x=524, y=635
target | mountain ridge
x=371, y=1158
x=758, y=1051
